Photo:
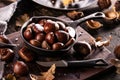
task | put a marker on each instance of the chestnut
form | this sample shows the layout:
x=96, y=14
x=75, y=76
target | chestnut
x=42, y=22
x=57, y=46
x=49, y=27
x=50, y=38
x=6, y=54
x=62, y=36
x=35, y=42
x=3, y=39
x=61, y=25
x=70, y=42
x=45, y=45
x=28, y=34
x=117, y=52
x=82, y=48
x=20, y=68
x=37, y=28
x=26, y=54
x=40, y=37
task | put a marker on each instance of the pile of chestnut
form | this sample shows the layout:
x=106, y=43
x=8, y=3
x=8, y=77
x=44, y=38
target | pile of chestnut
x=49, y=34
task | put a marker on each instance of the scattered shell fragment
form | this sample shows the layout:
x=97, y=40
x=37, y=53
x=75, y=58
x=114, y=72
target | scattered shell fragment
x=45, y=75
x=92, y=24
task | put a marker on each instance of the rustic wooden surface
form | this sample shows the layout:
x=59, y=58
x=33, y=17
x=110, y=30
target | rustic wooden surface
x=66, y=73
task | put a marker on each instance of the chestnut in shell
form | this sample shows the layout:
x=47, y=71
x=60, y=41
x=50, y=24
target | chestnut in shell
x=6, y=54
x=37, y=28
x=35, y=42
x=50, y=38
x=49, y=27
x=20, y=68
x=40, y=37
x=28, y=34
x=26, y=54
x=62, y=36
x=45, y=45
x=57, y=46
x=82, y=48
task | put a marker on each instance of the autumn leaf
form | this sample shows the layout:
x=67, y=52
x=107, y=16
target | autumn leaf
x=45, y=75
x=22, y=19
x=9, y=77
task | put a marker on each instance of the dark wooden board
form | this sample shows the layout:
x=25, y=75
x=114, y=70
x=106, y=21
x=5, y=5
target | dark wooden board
x=66, y=73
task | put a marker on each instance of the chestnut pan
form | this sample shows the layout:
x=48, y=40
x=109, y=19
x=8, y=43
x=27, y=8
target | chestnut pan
x=73, y=24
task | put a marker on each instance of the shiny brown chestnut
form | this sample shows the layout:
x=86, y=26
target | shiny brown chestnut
x=42, y=22
x=50, y=38
x=117, y=52
x=49, y=27
x=6, y=54
x=82, y=48
x=45, y=45
x=3, y=39
x=40, y=37
x=26, y=54
x=35, y=42
x=20, y=68
x=70, y=42
x=62, y=36
x=28, y=34
x=37, y=28
x=57, y=46
x=61, y=25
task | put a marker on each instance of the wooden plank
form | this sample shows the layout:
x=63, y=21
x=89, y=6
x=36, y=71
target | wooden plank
x=66, y=73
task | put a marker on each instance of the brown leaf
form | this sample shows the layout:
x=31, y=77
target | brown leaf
x=45, y=75
x=10, y=77
x=22, y=19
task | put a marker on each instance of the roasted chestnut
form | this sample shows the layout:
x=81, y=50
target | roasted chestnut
x=20, y=68
x=35, y=42
x=49, y=27
x=57, y=46
x=28, y=34
x=26, y=54
x=40, y=37
x=61, y=25
x=45, y=45
x=50, y=38
x=117, y=52
x=62, y=36
x=37, y=28
x=42, y=22
x=3, y=39
x=6, y=54
x=82, y=48
x=70, y=42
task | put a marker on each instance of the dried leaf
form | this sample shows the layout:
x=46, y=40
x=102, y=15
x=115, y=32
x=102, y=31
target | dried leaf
x=10, y=77
x=22, y=19
x=116, y=63
x=45, y=75
x=75, y=14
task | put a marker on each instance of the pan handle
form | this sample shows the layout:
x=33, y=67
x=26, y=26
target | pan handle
x=95, y=15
